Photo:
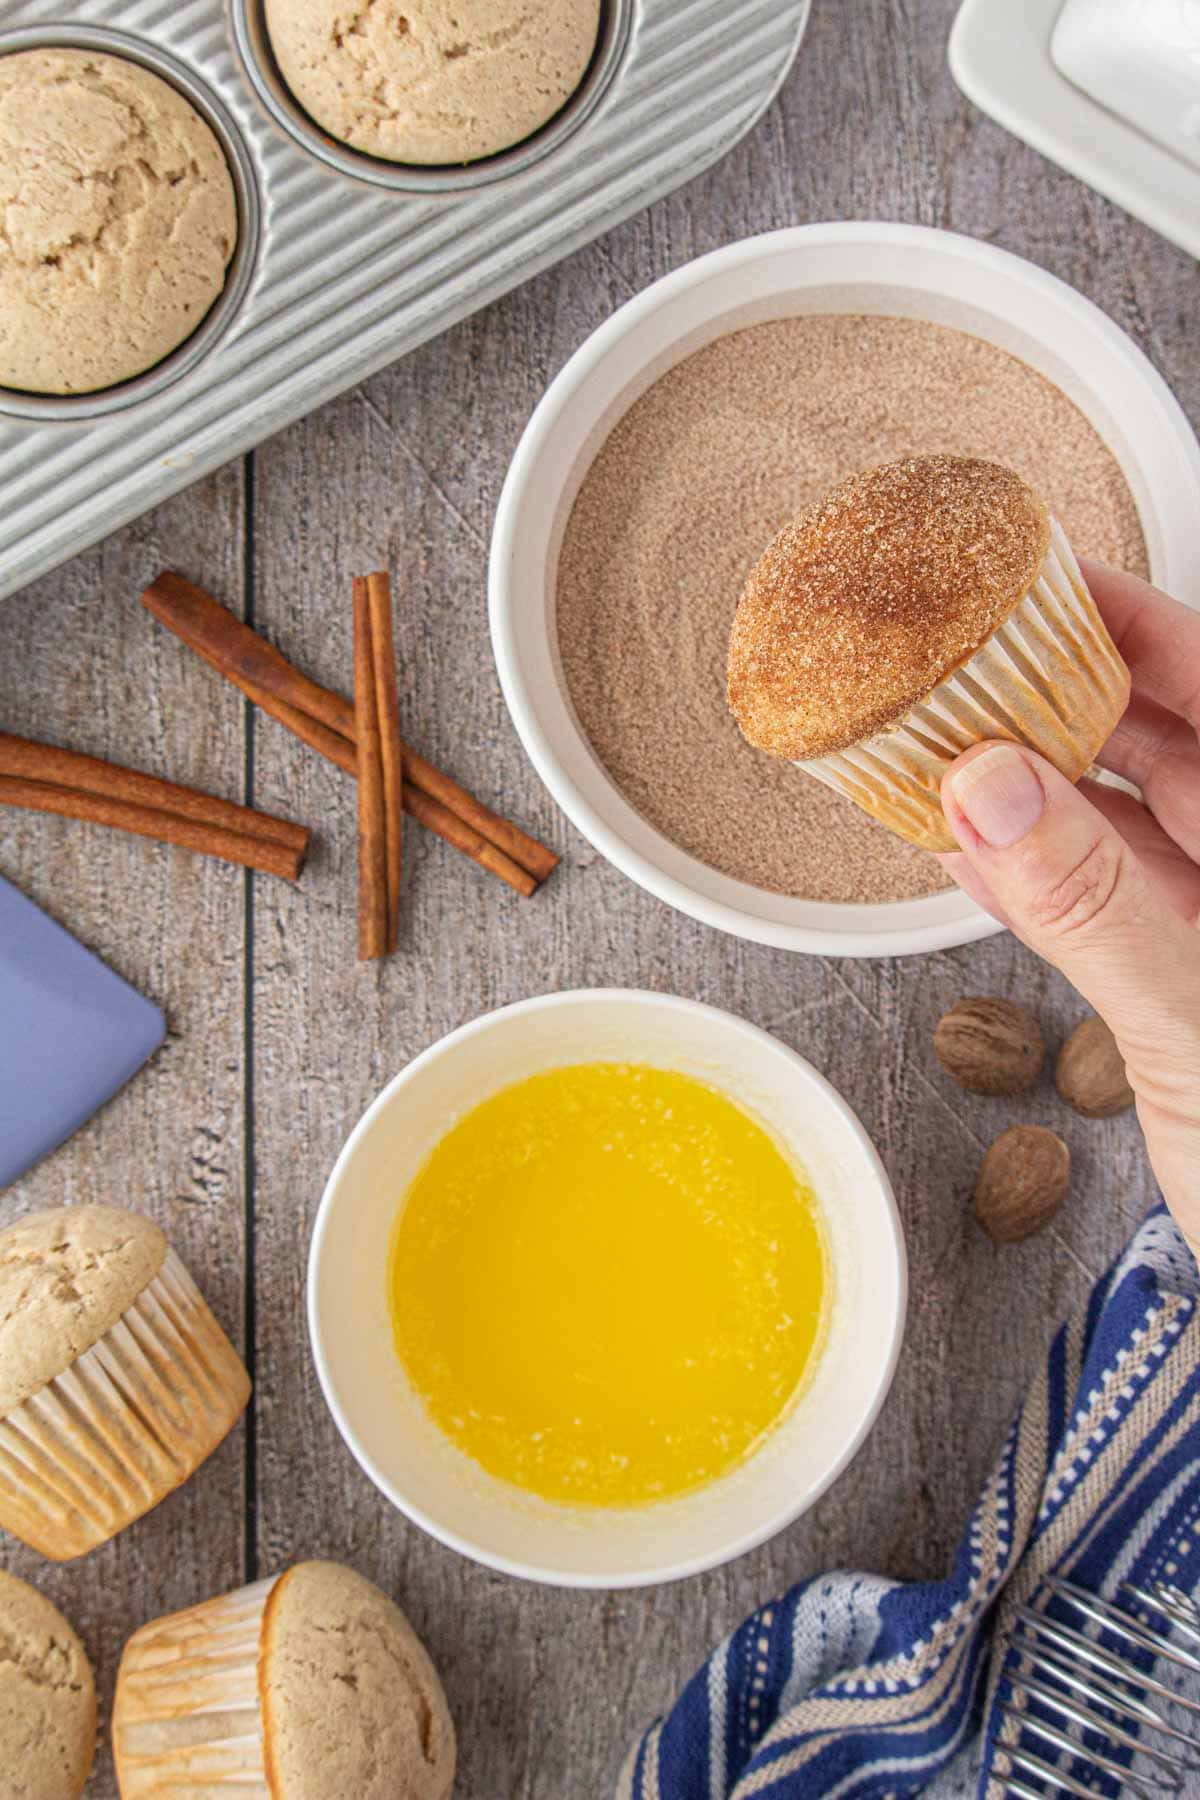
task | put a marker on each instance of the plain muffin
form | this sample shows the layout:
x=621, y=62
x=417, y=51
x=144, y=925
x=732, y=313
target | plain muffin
x=116, y=1381
x=47, y=1699
x=305, y=1687
x=433, y=81
x=917, y=609
x=119, y=220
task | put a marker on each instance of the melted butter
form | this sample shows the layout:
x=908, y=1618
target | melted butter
x=607, y=1284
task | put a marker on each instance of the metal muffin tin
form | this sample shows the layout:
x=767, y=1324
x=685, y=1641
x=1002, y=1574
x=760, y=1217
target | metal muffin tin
x=343, y=261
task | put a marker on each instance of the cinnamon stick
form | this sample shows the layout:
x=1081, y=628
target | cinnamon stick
x=372, y=826
x=461, y=836
x=265, y=854
x=330, y=744
x=419, y=805
x=383, y=657
x=516, y=844
x=71, y=769
x=322, y=718
x=239, y=654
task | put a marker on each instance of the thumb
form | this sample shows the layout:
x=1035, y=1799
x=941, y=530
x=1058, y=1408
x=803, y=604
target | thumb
x=1073, y=890
x=1066, y=880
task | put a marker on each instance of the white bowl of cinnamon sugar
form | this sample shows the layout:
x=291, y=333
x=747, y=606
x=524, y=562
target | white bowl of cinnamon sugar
x=705, y=414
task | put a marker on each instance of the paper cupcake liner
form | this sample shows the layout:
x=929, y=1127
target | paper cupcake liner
x=129, y=1421
x=186, y=1717
x=1049, y=677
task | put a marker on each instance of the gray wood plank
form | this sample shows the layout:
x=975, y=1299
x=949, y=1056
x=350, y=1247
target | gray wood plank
x=83, y=665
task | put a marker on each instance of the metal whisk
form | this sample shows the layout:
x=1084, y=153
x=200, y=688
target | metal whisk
x=1093, y=1702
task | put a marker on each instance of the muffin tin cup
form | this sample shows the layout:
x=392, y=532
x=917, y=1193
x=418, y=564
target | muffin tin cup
x=344, y=261
x=225, y=309
x=1049, y=677
x=253, y=42
x=187, y=1716
x=127, y=1423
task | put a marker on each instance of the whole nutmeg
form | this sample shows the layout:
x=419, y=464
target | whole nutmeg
x=989, y=1045
x=1090, y=1073
x=1021, y=1182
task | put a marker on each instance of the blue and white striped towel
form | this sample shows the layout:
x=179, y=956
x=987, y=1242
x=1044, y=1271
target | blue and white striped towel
x=853, y=1687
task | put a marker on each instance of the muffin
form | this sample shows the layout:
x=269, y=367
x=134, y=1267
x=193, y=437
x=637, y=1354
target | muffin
x=120, y=220
x=433, y=81
x=309, y=1685
x=917, y=609
x=115, y=1379
x=47, y=1699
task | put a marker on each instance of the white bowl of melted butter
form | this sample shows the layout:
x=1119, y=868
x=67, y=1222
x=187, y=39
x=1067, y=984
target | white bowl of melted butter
x=670, y=797
x=387, y=1324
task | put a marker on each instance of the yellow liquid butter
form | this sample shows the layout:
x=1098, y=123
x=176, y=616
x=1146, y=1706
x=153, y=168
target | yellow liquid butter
x=607, y=1283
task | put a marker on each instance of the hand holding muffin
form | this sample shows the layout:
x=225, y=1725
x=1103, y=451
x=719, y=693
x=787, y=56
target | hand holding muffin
x=1107, y=886
x=917, y=609
x=924, y=641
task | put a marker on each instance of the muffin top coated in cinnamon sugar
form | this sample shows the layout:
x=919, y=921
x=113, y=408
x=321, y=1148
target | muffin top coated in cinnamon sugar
x=860, y=607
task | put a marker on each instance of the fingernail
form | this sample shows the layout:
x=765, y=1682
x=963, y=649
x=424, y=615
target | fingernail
x=1000, y=795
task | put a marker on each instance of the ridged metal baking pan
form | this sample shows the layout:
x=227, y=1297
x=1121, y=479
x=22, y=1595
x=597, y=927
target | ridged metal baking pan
x=345, y=263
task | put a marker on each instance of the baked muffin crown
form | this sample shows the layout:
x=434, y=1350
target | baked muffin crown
x=861, y=606
x=66, y=1277
x=351, y=1703
x=47, y=1698
x=120, y=219
x=433, y=82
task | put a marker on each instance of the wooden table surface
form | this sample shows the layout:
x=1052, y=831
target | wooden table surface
x=278, y=1039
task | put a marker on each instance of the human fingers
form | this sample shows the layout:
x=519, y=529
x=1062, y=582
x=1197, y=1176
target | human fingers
x=1074, y=891
x=1167, y=864
x=1157, y=637
x=1160, y=753
x=1069, y=882
x=972, y=883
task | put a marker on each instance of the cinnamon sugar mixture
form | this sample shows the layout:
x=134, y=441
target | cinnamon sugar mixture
x=683, y=498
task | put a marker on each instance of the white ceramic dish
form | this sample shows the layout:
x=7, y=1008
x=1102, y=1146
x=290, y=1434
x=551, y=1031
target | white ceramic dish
x=867, y=268
x=1033, y=67
x=441, y=1489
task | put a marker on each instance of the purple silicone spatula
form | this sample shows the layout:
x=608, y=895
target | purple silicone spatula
x=71, y=1033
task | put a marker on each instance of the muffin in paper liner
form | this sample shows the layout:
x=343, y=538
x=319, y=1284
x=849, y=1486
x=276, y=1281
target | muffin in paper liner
x=1049, y=677
x=309, y=1684
x=128, y=1420
x=186, y=1717
x=919, y=608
